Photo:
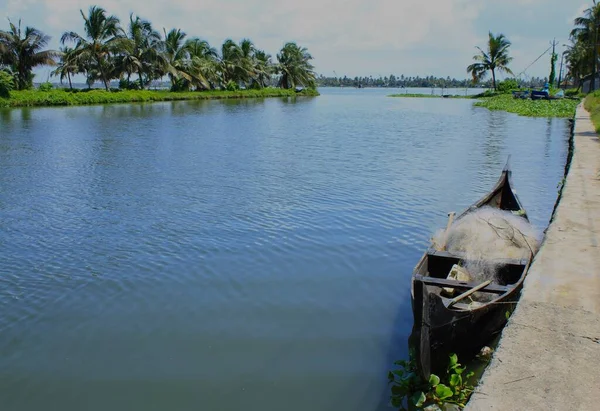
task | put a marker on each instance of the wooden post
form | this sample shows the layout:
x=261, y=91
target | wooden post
x=450, y=221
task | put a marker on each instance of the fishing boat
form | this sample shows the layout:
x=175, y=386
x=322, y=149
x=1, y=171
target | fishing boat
x=444, y=325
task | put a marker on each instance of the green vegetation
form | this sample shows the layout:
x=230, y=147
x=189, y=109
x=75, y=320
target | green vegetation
x=21, y=51
x=6, y=84
x=531, y=108
x=582, y=55
x=409, y=391
x=494, y=59
x=62, y=97
x=592, y=104
x=139, y=55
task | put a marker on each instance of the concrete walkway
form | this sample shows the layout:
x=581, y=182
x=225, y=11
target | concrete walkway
x=549, y=354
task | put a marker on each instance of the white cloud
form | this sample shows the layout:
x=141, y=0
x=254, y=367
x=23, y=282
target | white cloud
x=350, y=36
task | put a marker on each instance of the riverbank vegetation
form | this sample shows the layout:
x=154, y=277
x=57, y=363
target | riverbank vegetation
x=530, y=108
x=65, y=97
x=138, y=56
x=409, y=391
x=592, y=104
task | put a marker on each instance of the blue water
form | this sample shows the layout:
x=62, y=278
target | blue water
x=228, y=255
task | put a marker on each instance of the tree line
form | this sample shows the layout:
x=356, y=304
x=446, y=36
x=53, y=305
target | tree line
x=138, y=54
x=413, y=81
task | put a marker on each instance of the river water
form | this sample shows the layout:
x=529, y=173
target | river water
x=229, y=255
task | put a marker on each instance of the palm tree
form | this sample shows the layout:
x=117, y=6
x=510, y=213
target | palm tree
x=586, y=33
x=294, y=66
x=263, y=68
x=102, y=36
x=496, y=58
x=176, y=58
x=24, y=50
x=576, y=60
x=140, y=50
x=203, y=65
x=67, y=66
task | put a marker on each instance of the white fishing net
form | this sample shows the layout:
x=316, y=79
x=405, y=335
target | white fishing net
x=485, y=235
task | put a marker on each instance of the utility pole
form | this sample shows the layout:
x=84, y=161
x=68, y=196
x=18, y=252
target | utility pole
x=562, y=55
x=551, y=77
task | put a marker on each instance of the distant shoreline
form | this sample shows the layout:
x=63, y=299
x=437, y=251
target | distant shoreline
x=66, y=97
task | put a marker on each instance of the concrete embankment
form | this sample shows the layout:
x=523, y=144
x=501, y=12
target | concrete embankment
x=549, y=354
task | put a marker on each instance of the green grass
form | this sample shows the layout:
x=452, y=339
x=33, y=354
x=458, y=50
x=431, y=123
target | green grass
x=63, y=97
x=530, y=108
x=592, y=104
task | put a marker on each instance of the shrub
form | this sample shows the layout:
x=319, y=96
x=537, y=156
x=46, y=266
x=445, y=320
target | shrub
x=507, y=85
x=7, y=84
x=47, y=86
x=125, y=84
x=232, y=86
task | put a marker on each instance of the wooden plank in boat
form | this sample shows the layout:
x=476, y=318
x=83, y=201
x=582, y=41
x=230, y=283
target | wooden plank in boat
x=461, y=256
x=463, y=285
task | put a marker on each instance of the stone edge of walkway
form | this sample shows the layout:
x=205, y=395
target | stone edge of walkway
x=549, y=352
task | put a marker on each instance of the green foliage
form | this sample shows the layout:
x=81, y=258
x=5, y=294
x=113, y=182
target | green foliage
x=7, y=84
x=530, y=108
x=61, y=97
x=573, y=93
x=232, y=86
x=409, y=391
x=494, y=58
x=46, y=86
x=508, y=85
x=592, y=104
x=552, y=76
x=22, y=49
x=125, y=84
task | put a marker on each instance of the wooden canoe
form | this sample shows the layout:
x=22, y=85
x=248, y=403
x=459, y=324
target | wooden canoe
x=442, y=327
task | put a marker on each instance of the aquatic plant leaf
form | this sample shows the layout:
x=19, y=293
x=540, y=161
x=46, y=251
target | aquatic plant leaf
x=418, y=399
x=442, y=392
x=434, y=380
x=455, y=380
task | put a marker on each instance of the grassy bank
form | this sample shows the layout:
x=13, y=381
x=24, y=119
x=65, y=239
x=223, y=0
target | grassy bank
x=530, y=108
x=62, y=97
x=592, y=104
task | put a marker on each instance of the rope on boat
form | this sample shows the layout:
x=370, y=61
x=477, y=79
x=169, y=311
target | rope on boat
x=497, y=229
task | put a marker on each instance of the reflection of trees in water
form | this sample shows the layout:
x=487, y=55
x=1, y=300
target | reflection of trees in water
x=136, y=110
x=5, y=119
x=494, y=140
x=548, y=139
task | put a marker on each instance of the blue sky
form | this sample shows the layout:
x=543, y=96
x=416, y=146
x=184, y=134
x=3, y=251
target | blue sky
x=350, y=37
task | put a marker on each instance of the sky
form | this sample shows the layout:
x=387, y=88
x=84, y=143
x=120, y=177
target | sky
x=346, y=37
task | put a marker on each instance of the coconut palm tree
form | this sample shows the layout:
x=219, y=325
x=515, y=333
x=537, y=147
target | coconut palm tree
x=176, y=58
x=577, y=58
x=102, y=38
x=263, y=68
x=295, y=67
x=22, y=51
x=140, y=50
x=496, y=58
x=586, y=34
x=67, y=66
x=203, y=65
